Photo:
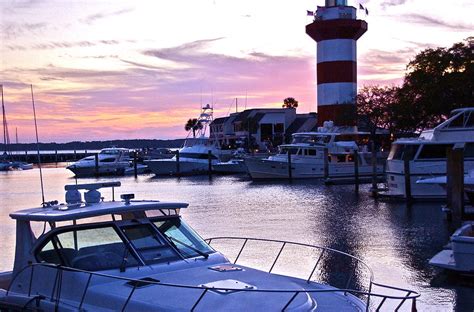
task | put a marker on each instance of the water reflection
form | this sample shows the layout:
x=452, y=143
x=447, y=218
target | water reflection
x=395, y=241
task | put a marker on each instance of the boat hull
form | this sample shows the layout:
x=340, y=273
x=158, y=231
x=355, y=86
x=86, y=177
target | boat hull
x=230, y=167
x=102, y=170
x=271, y=169
x=170, y=167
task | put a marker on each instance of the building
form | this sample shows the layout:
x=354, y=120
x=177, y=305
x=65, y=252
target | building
x=336, y=30
x=261, y=128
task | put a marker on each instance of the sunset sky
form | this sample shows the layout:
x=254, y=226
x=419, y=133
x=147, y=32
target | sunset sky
x=139, y=69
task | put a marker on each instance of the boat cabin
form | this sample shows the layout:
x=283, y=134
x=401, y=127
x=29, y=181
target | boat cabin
x=95, y=235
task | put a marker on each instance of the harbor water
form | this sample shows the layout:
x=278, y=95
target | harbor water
x=395, y=241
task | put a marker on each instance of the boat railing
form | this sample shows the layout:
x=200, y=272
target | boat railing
x=393, y=297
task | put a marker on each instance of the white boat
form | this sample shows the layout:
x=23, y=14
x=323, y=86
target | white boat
x=111, y=161
x=235, y=164
x=194, y=156
x=460, y=257
x=427, y=156
x=140, y=255
x=307, y=156
x=21, y=165
x=141, y=169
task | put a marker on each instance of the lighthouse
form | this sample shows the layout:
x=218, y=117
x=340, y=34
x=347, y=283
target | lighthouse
x=336, y=29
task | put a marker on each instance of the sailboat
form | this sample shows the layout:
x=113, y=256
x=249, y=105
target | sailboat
x=7, y=162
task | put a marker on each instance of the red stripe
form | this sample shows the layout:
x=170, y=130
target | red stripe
x=336, y=29
x=341, y=114
x=338, y=71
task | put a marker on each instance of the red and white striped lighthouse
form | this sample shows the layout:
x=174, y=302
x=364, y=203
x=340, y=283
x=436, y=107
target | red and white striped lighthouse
x=336, y=30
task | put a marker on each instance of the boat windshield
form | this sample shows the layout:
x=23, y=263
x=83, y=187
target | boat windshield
x=311, y=139
x=119, y=245
x=90, y=249
x=183, y=237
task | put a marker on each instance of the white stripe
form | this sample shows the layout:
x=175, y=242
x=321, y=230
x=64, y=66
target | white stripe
x=336, y=93
x=336, y=50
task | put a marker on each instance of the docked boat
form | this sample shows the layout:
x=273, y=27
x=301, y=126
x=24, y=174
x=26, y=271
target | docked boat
x=307, y=156
x=235, y=164
x=5, y=165
x=111, y=161
x=197, y=155
x=442, y=181
x=460, y=257
x=140, y=255
x=426, y=156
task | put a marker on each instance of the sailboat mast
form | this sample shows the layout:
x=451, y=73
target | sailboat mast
x=5, y=129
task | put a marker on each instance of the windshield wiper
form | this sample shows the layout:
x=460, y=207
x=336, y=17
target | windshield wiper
x=172, y=239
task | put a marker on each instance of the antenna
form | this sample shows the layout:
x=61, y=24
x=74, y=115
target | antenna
x=236, y=106
x=37, y=146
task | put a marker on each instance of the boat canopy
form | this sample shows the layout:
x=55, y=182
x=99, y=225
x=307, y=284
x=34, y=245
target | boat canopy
x=93, y=206
x=69, y=212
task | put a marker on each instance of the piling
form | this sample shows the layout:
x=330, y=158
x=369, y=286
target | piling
x=96, y=157
x=406, y=172
x=374, y=168
x=290, y=173
x=26, y=156
x=356, y=170
x=326, y=163
x=455, y=181
x=209, y=163
x=135, y=161
x=75, y=155
x=178, y=169
x=56, y=156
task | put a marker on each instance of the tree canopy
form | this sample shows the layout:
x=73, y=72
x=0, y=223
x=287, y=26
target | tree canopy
x=436, y=82
x=290, y=103
x=194, y=125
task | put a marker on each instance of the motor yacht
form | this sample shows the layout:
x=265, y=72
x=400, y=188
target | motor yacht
x=197, y=155
x=111, y=161
x=307, y=156
x=140, y=255
x=426, y=156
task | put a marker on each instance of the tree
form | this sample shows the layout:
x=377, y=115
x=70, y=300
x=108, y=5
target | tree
x=440, y=80
x=193, y=124
x=290, y=103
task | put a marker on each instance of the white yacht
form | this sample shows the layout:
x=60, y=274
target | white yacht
x=140, y=255
x=460, y=257
x=427, y=156
x=111, y=161
x=307, y=156
x=195, y=155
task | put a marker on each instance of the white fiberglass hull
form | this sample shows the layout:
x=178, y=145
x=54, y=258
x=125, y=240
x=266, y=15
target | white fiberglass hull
x=419, y=170
x=87, y=171
x=170, y=166
x=232, y=166
x=271, y=169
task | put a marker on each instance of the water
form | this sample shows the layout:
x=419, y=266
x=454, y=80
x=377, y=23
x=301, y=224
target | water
x=395, y=241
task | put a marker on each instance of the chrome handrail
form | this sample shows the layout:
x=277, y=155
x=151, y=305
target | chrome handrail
x=55, y=294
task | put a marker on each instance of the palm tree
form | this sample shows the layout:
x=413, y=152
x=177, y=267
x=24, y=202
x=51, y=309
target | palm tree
x=290, y=103
x=193, y=124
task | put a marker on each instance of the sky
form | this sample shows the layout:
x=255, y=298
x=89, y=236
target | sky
x=137, y=69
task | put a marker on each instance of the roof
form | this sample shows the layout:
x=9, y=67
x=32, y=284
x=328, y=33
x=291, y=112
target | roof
x=65, y=212
x=219, y=121
x=296, y=124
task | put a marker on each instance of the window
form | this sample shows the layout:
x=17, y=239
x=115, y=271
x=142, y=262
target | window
x=87, y=249
x=403, y=151
x=458, y=122
x=469, y=149
x=150, y=246
x=279, y=128
x=107, y=160
x=312, y=152
x=293, y=151
x=197, y=156
x=184, y=238
x=434, y=151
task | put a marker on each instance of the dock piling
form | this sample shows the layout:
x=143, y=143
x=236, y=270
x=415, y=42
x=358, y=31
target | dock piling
x=406, y=171
x=209, y=162
x=135, y=161
x=290, y=173
x=455, y=181
x=96, y=158
x=326, y=163
x=178, y=169
x=356, y=170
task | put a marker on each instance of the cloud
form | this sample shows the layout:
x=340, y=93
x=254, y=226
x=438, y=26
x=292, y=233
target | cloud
x=435, y=22
x=13, y=30
x=62, y=45
x=94, y=17
x=389, y=3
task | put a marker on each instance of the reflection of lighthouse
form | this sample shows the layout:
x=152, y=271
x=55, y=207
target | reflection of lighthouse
x=336, y=30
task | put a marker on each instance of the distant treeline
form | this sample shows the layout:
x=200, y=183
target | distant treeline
x=95, y=145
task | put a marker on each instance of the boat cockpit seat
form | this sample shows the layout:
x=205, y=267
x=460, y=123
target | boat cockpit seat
x=51, y=256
